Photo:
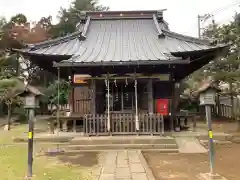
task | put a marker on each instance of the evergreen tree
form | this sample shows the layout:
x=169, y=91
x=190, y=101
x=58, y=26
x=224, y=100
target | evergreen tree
x=227, y=68
x=69, y=17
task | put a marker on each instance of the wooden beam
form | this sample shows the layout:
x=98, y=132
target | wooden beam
x=163, y=77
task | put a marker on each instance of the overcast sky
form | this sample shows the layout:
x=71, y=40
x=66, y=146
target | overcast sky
x=181, y=14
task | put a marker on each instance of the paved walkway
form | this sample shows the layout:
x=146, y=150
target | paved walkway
x=189, y=145
x=122, y=165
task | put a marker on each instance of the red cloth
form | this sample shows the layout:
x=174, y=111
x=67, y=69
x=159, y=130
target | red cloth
x=162, y=106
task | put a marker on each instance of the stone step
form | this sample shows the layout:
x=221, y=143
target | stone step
x=45, y=139
x=162, y=150
x=74, y=152
x=96, y=141
x=121, y=146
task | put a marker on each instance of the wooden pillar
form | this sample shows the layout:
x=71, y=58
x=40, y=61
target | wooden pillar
x=93, y=100
x=136, y=105
x=108, y=105
x=173, y=112
x=122, y=97
x=72, y=105
x=150, y=96
x=72, y=97
x=74, y=125
x=58, y=101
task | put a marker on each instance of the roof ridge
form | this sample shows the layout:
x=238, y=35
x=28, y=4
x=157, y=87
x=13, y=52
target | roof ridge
x=125, y=14
x=83, y=34
x=124, y=11
x=160, y=32
x=185, y=37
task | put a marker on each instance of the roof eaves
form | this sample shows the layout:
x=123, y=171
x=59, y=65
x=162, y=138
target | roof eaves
x=33, y=90
x=186, y=38
x=27, y=52
x=210, y=49
x=160, y=33
x=54, y=41
x=73, y=63
x=20, y=50
x=205, y=85
x=165, y=22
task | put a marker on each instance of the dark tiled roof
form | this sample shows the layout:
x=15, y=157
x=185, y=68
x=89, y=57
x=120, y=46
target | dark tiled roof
x=125, y=38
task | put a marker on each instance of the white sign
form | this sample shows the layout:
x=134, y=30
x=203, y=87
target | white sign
x=30, y=101
x=207, y=98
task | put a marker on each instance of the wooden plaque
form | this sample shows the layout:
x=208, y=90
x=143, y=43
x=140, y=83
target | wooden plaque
x=80, y=78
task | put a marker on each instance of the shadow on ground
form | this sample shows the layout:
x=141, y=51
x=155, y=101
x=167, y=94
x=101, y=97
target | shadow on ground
x=86, y=159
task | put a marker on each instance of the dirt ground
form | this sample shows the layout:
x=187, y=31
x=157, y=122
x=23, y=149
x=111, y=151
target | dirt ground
x=187, y=166
x=219, y=125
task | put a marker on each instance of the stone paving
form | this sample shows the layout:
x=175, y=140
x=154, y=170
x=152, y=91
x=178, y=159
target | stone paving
x=122, y=165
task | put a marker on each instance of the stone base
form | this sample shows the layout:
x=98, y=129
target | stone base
x=57, y=131
x=208, y=176
x=5, y=128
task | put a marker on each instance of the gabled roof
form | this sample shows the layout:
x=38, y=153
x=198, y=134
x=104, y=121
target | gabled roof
x=205, y=85
x=118, y=36
x=18, y=88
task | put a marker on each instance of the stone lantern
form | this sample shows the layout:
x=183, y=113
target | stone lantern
x=31, y=102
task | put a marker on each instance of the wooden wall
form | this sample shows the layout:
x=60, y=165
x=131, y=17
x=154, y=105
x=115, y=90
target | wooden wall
x=82, y=100
x=86, y=103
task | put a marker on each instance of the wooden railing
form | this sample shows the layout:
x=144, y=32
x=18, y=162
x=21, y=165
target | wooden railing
x=123, y=124
x=152, y=124
x=224, y=111
x=95, y=124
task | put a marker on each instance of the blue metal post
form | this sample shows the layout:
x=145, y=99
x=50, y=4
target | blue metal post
x=30, y=141
x=211, y=145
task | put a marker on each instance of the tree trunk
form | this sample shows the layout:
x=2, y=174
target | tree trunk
x=9, y=117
